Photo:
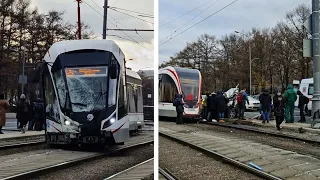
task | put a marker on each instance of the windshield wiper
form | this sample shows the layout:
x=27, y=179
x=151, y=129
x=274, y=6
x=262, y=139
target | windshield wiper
x=98, y=99
x=80, y=104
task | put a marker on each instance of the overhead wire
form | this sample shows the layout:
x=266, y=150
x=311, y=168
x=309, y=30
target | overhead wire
x=132, y=16
x=168, y=22
x=200, y=21
x=116, y=26
x=112, y=7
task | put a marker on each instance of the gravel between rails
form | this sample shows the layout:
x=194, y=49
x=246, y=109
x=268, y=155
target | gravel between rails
x=23, y=149
x=102, y=168
x=150, y=177
x=283, y=143
x=187, y=163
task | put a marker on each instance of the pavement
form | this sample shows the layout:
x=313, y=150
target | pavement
x=252, y=120
x=279, y=162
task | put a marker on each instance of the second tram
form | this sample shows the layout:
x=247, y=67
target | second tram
x=173, y=81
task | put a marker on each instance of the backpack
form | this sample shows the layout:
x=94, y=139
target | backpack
x=239, y=98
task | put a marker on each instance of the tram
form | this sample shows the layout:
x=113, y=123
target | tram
x=85, y=93
x=135, y=101
x=175, y=80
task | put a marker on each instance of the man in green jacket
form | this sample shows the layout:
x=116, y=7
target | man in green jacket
x=290, y=97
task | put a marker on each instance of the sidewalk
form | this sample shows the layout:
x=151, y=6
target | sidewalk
x=291, y=126
x=11, y=115
x=17, y=135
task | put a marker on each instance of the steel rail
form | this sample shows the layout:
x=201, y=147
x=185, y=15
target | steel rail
x=126, y=170
x=222, y=158
x=167, y=174
x=43, y=170
x=20, y=144
x=252, y=129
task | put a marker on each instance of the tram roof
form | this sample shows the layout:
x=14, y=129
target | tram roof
x=133, y=74
x=72, y=45
x=182, y=69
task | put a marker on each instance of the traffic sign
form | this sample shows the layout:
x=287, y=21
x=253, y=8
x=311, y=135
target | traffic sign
x=307, y=24
x=307, y=48
x=23, y=79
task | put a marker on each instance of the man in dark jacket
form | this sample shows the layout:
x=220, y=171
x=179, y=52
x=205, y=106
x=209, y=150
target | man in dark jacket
x=278, y=103
x=221, y=106
x=303, y=100
x=38, y=110
x=266, y=101
x=290, y=97
x=179, y=108
x=212, y=107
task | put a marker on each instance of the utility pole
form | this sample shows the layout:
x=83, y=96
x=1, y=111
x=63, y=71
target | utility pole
x=250, y=61
x=105, y=18
x=316, y=62
x=79, y=19
x=23, y=63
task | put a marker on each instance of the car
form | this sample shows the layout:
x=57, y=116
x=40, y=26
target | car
x=253, y=103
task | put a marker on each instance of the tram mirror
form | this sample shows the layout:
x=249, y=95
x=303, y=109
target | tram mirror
x=113, y=72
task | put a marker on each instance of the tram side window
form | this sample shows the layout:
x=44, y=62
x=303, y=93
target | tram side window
x=121, y=103
x=51, y=103
x=140, y=101
x=61, y=88
x=168, y=89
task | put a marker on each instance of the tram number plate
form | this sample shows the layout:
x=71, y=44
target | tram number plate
x=191, y=109
x=90, y=139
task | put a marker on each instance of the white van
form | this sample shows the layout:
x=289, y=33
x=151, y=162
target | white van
x=306, y=88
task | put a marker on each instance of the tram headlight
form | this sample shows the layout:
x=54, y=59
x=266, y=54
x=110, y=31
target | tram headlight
x=112, y=120
x=67, y=122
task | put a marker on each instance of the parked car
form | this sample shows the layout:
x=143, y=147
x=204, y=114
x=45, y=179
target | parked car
x=253, y=103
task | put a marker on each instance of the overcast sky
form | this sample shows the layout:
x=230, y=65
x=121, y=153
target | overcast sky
x=243, y=15
x=143, y=58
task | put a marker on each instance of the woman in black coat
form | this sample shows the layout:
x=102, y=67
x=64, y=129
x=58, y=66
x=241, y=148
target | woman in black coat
x=221, y=105
x=279, y=106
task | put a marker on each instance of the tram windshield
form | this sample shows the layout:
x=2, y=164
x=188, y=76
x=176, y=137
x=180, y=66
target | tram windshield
x=87, y=88
x=190, y=86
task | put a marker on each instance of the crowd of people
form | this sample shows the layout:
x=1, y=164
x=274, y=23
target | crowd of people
x=215, y=106
x=31, y=114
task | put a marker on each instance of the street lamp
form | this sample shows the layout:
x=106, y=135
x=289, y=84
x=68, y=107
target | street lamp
x=250, y=73
x=250, y=61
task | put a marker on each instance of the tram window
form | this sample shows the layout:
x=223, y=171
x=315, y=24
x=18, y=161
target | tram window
x=140, y=101
x=168, y=89
x=51, y=103
x=121, y=103
x=61, y=87
x=112, y=92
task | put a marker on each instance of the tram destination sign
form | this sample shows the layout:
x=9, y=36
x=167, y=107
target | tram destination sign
x=86, y=71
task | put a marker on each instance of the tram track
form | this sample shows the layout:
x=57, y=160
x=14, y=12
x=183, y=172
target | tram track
x=261, y=131
x=221, y=157
x=81, y=158
x=166, y=174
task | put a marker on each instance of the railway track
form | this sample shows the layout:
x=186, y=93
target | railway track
x=260, y=159
x=20, y=143
x=164, y=174
x=261, y=131
x=136, y=172
x=44, y=161
x=221, y=157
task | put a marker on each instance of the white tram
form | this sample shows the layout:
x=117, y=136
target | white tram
x=85, y=93
x=174, y=80
x=135, y=100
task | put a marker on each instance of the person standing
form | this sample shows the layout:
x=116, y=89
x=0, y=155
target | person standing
x=266, y=102
x=213, y=107
x=242, y=98
x=205, y=106
x=179, y=108
x=4, y=106
x=38, y=114
x=303, y=100
x=278, y=103
x=221, y=106
x=22, y=113
x=290, y=97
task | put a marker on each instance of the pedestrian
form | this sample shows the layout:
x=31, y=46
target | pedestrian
x=242, y=98
x=22, y=113
x=178, y=103
x=303, y=100
x=265, y=101
x=221, y=106
x=278, y=104
x=213, y=108
x=4, y=106
x=31, y=116
x=205, y=106
x=290, y=97
x=38, y=114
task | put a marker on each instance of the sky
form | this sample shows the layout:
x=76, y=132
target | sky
x=241, y=16
x=141, y=54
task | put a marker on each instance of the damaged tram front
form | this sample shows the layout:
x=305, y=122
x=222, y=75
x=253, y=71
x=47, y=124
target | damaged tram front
x=85, y=93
